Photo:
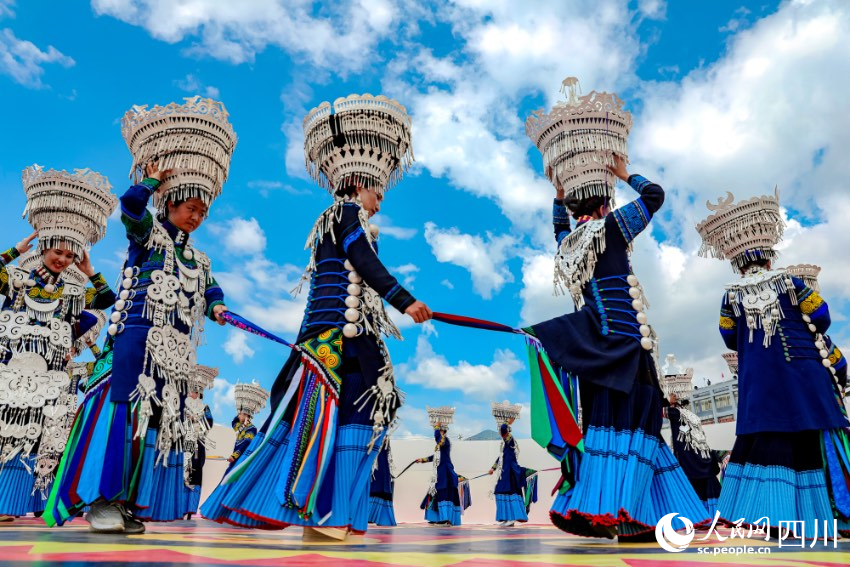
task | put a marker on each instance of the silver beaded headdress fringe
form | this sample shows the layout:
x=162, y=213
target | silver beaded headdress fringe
x=67, y=209
x=443, y=415
x=250, y=398
x=806, y=272
x=203, y=378
x=578, y=138
x=360, y=140
x=503, y=412
x=742, y=232
x=731, y=359
x=194, y=140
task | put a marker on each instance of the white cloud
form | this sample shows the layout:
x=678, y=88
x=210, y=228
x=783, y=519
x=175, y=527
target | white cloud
x=221, y=398
x=23, y=60
x=278, y=315
x=430, y=369
x=7, y=8
x=340, y=36
x=237, y=347
x=484, y=257
x=448, y=284
x=241, y=236
x=408, y=273
x=389, y=229
x=193, y=85
x=266, y=187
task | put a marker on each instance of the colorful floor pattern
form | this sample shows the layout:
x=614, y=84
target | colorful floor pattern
x=27, y=542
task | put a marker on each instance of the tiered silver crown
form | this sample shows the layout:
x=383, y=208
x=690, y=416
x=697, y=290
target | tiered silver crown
x=505, y=411
x=578, y=138
x=68, y=209
x=806, y=272
x=202, y=378
x=193, y=140
x=361, y=140
x=250, y=398
x=742, y=232
x=731, y=359
x=443, y=415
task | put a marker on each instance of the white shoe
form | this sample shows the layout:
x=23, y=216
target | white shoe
x=105, y=518
x=508, y=523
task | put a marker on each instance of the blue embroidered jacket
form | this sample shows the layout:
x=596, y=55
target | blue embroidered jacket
x=245, y=433
x=129, y=344
x=600, y=342
x=785, y=387
x=329, y=282
x=512, y=478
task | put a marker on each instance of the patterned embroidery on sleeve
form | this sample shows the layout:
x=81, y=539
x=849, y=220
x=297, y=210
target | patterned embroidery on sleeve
x=727, y=323
x=811, y=303
x=632, y=219
x=639, y=182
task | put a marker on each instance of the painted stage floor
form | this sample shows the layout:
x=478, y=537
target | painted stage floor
x=27, y=542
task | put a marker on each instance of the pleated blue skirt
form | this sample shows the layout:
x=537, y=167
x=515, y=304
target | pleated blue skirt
x=627, y=477
x=443, y=512
x=381, y=511
x=510, y=508
x=193, y=499
x=780, y=477
x=16, y=487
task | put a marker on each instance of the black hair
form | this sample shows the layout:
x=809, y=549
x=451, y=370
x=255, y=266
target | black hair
x=760, y=262
x=348, y=190
x=583, y=207
x=162, y=215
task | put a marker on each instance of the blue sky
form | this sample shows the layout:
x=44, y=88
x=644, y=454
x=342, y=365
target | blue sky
x=736, y=96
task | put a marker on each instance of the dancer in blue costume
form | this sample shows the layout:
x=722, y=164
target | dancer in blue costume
x=516, y=486
x=693, y=453
x=125, y=454
x=381, y=511
x=42, y=315
x=199, y=420
x=627, y=478
x=250, y=398
x=334, y=398
x=448, y=494
x=791, y=458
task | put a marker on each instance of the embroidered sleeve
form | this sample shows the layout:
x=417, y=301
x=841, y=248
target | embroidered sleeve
x=100, y=295
x=366, y=262
x=839, y=363
x=560, y=220
x=632, y=219
x=6, y=257
x=812, y=306
x=213, y=296
x=135, y=216
x=651, y=193
x=728, y=325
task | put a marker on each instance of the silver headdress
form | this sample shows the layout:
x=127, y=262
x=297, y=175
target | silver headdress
x=250, y=398
x=360, y=140
x=504, y=412
x=67, y=209
x=194, y=140
x=202, y=378
x=806, y=272
x=676, y=380
x=731, y=359
x=577, y=139
x=443, y=415
x=742, y=232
